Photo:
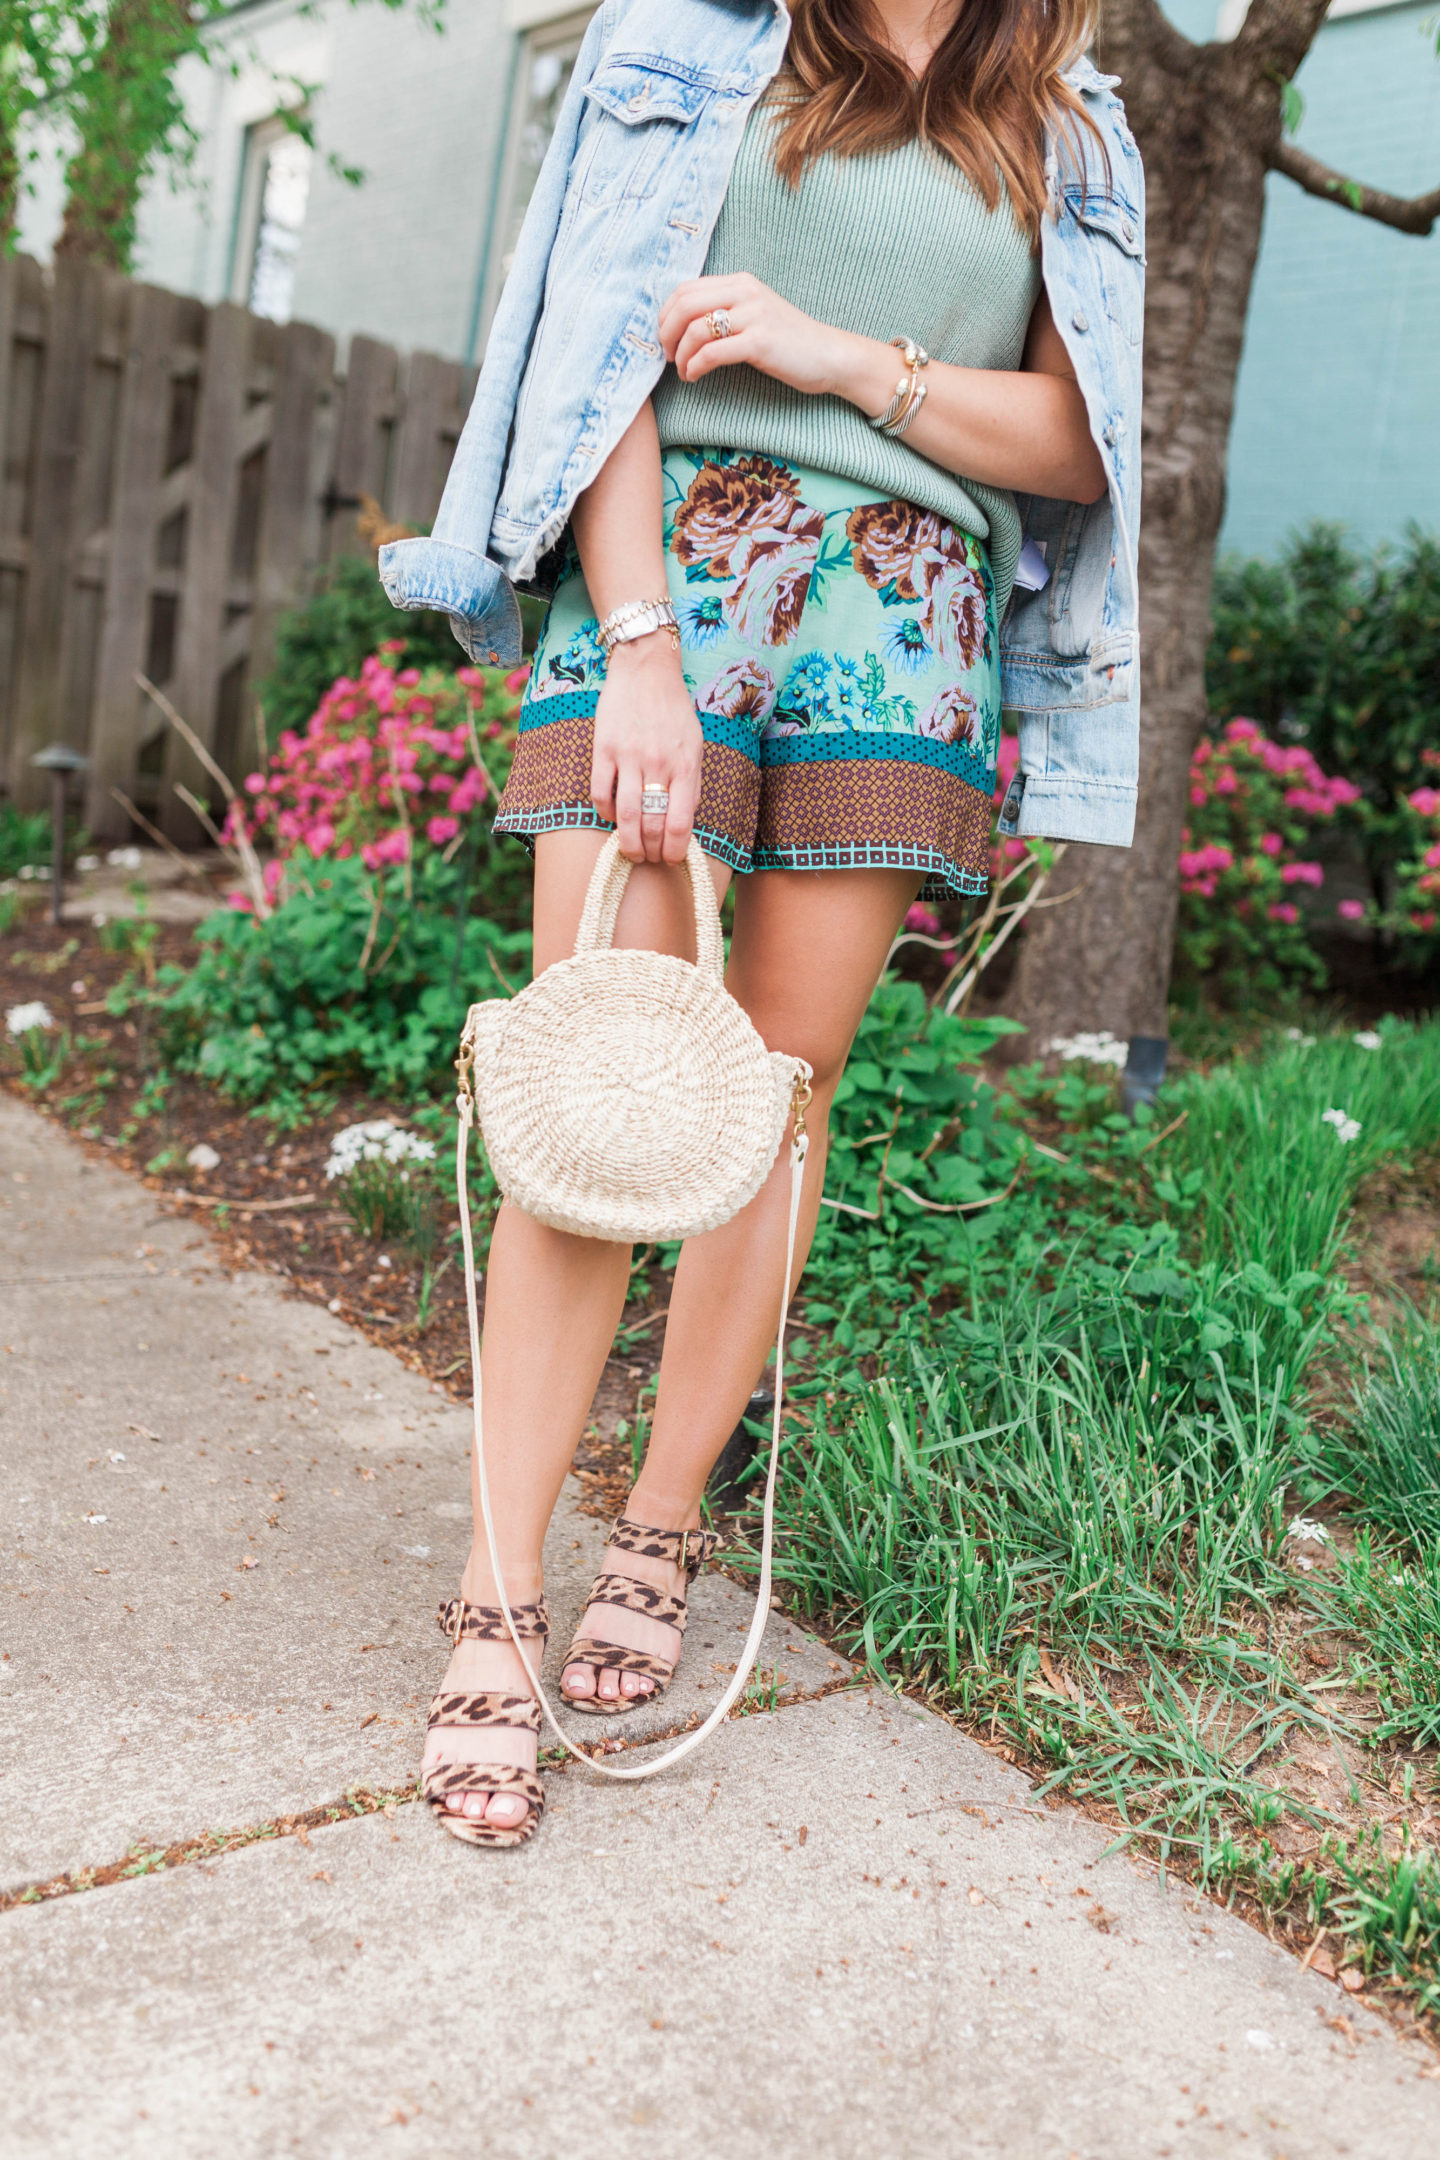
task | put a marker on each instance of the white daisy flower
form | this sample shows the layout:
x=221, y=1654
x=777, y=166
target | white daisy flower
x=22, y=1018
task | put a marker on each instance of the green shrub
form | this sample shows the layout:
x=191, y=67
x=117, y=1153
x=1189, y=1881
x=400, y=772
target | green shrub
x=1341, y=652
x=24, y=839
x=357, y=978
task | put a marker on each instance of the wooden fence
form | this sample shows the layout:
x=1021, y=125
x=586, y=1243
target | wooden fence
x=171, y=477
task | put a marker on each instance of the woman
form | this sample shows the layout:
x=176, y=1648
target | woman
x=855, y=256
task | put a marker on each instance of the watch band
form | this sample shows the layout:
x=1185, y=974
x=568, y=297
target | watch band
x=637, y=619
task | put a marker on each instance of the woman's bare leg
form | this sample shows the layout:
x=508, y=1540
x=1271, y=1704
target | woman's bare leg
x=807, y=952
x=552, y=1305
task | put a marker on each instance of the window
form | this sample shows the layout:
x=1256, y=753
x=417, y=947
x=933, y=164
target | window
x=274, y=190
x=546, y=60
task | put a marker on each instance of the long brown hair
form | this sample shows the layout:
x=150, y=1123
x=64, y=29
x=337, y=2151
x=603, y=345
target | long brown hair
x=991, y=86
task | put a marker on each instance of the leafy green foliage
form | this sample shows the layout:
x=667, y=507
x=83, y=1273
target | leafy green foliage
x=1342, y=653
x=356, y=978
x=24, y=839
x=106, y=72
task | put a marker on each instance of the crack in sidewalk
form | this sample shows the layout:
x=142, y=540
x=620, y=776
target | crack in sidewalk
x=358, y=1801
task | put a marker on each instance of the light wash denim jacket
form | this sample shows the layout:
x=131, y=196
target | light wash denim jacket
x=622, y=211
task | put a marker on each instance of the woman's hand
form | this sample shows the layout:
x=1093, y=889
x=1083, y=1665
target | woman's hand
x=1025, y=428
x=647, y=735
x=767, y=333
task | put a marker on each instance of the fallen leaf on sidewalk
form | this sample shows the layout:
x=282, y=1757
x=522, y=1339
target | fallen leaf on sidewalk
x=1352, y=1981
x=374, y=1715
x=321, y=1874
x=977, y=1897
x=1099, y=1918
x=144, y=1432
x=249, y=1561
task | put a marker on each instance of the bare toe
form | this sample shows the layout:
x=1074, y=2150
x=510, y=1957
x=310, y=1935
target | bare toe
x=578, y=1680
x=506, y=1811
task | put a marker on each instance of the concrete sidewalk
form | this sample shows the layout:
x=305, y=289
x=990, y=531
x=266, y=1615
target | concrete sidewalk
x=841, y=1929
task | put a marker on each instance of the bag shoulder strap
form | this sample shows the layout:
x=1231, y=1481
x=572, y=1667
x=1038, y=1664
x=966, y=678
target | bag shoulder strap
x=799, y=1147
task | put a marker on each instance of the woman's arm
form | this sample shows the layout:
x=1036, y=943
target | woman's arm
x=1024, y=429
x=646, y=732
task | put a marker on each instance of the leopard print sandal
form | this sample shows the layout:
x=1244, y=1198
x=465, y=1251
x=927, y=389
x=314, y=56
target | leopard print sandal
x=492, y=1709
x=688, y=1549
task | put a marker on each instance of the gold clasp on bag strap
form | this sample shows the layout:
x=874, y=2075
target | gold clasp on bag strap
x=803, y=1094
x=465, y=1068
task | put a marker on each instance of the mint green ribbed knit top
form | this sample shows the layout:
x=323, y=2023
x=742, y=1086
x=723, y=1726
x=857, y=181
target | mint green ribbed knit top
x=894, y=243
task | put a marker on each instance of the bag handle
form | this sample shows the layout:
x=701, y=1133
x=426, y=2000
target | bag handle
x=607, y=889
x=799, y=1146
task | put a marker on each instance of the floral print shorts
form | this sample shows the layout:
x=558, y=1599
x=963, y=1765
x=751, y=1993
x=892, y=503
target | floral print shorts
x=841, y=651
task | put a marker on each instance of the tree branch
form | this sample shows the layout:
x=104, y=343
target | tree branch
x=1276, y=35
x=1413, y=214
x=1131, y=32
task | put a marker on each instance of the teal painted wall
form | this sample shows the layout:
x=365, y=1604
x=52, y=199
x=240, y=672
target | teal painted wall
x=1337, y=411
x=1338, y=404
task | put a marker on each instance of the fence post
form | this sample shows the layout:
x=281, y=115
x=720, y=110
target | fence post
x=45, y=619
x=118, y=719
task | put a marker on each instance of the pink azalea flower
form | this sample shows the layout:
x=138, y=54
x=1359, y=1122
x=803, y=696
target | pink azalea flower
x=1351, y=911
x=1425, y=921
x=1225, y=781
x=1271, y=844
x=1432, y=857
x=1198, y=797
x=1203, y=862
x=320, y=837
x=920, y=919
x=1284, y=912
x=1302, y=873
x=440, y=830
x=1426, y=800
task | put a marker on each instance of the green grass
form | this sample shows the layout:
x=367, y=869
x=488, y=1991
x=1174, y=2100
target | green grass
x=1385, y=1456
x=1059, y=1507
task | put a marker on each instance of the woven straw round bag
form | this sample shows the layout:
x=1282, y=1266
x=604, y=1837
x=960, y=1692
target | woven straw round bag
x=625, y=1094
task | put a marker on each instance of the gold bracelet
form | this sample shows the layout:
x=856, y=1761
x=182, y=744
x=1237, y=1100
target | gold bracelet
x=918, y=395
x=905, y=403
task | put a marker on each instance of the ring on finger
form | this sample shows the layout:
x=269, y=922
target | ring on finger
x=718, y=323
x=654, y=801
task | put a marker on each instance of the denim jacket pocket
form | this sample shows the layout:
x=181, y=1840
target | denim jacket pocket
x=1120, y=258
x=634, y=108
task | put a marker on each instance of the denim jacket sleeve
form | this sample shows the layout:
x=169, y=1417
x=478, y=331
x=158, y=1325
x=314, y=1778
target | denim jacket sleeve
x=1070, y=654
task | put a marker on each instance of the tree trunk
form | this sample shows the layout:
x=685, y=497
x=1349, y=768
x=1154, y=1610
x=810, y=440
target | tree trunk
x=128, y=112
x=1206, y=118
